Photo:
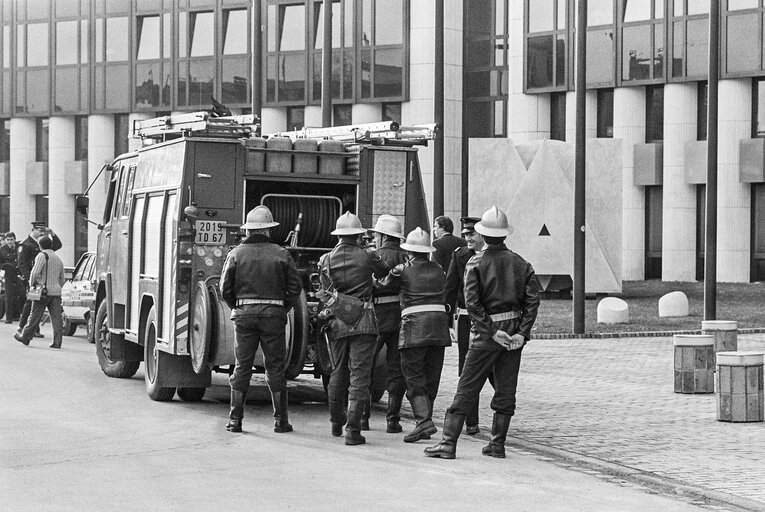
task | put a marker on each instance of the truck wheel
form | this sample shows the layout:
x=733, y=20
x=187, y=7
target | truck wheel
x=191, y=394
x=118, y=369
x=297, y=337
x=155, y=362
x=201, y=330
x=68, y=328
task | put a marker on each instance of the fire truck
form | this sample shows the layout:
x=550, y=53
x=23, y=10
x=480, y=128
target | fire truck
x=174, y=209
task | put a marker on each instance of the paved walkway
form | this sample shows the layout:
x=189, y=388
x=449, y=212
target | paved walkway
x=612, y=400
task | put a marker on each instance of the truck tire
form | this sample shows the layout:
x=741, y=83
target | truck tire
x=200, y=336
x=297, y=329
x=118, y=369
x=191, y=394
x=154, y=362
x=68, y=328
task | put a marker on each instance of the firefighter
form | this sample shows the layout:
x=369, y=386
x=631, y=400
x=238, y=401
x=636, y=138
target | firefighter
x=424, y=328
x=502, y=298
x=455, y=297
x=388, y=233
x=444, y=241
x=13, y=286
x=347, y=273
x=28, y=251
x=259, y=282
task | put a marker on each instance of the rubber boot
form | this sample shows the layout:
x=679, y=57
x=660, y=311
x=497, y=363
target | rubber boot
x=281, y=423
x=365, y=416
x=236, y=414
x=393, y=416
x=353, y=427
x=471, y=422
x=425, y=426
x=337, y=416
x=447, y=448
x=499, y=426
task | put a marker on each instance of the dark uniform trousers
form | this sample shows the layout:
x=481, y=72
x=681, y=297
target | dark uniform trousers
x=396, y=385
x=353, y=357
x=422, y=368
x=267, y=332
x=479, y=364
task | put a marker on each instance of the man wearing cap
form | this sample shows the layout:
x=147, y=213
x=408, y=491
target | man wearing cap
x=13, y=287
x=502, y=298
x=388, y=233
x=348, y=270
x=260, y=284
x=28, y=251
x=444, y=241
x=455, y=297
x=424, y=328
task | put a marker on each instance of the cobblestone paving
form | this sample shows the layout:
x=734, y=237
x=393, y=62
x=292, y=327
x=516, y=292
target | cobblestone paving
x=613, y=399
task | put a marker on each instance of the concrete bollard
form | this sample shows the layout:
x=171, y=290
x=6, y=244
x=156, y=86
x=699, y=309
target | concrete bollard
x=725, y=333
x=739, y=386
x=694, y=363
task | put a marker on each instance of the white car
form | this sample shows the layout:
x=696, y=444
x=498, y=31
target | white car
x=78, y=296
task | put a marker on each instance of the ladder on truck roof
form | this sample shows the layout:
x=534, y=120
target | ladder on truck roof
x=382, y=133
x=195, y=124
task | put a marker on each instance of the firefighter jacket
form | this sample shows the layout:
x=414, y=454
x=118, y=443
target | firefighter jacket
x=349, y=269
x=455, y=276
x=420, y=283
x=28, y=251
x=387, y=308
x=499, y=281
x=445, y=247
x=259, y=269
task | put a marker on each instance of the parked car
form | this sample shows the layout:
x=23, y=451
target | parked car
x=78, y=296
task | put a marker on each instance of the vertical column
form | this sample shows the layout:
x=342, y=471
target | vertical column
x=679, y=214
x=629, y=125
x=452, y=128
x=22, y=205
x=100, y=152
x=275, y=120
x=60, y=204
x=592, y=115
x=528, y=115
x=733, y=198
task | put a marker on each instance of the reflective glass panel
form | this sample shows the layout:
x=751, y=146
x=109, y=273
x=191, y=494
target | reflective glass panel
x=6, y=91
x=760, y=107
x=499, y=17
x=479, y=53
x=499, y=118
x=366, y=74
x=38, y=9
x=38, y=90
x=479, y=119
x=117, y=40
x=66, y=90
x=117, y=88
x=698, y=7
x=742, y=30
x=37, y=35
x=348, y=29
x=658, y=51
x=316, y=77
x=295, y=118
x=478, y=84
x=636, y=52
x=292, y=70
x=540, y=14
x=20, y=86
x=678, y=7
x=167, y=40
x=99, y=88
x=697, y=47
x=388, y=73
x=292, y=27
x=147, y=84
x=20, y=40
x=342, y=115
x=84, y=90
x=539, y=64
x=561, y=22
x=318, y=41
x=148, y=37
x=84, y=41
x=99, y=40
x=389, y=22
x=67, y=8
x=235, y=80
x=600, y=12
x=677, y=49
x=182, y=89
x=201, y=80
x=636, y=10
x=202, y=34
x=734, y=5
x=347, y=74
x=600, y=56
x=336, y=74
x=366, y=22
x=658, y=9
x=391, y=112
x=271, y=44
x=271, y=79
x=6, y=46
x=478, y=13
x=183, y=31
x=235, y=32
x=560, y=61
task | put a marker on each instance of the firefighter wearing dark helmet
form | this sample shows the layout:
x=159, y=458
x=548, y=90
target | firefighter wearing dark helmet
x=348, y=269
x=502, y=298
x=260, y=283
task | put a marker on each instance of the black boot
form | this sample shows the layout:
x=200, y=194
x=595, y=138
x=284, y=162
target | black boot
x=425, y=426
x=238, y=398
x=393, y=416
x=281, y=423
x=353, y=428
x=499, y=426
x=447, y=448
x=365, y=417
x=471, y=422
x=337, y=416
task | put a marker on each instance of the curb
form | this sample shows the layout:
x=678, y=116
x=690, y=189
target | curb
x=636, y=334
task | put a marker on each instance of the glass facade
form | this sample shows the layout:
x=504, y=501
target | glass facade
x=546, y=44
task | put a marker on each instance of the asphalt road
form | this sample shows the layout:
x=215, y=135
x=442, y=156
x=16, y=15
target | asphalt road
x=73, y=439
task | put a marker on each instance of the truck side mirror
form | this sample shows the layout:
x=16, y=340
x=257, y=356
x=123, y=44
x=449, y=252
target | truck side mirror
x=81, y=205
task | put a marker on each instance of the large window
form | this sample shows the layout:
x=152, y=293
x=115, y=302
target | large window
x=690, y=38
x=287, y=61
x=32, y=74
x=235, y=64
x=112, y=84
x=600, y=43
x=342, y=50
x=546, y=44
x=642, y=35
x=71, y=73
x=196, y=67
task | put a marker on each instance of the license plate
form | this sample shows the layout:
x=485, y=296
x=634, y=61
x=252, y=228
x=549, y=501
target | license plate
x=210, y=232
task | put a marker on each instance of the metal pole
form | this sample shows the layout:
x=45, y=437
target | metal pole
x=710, y=243
x=579, y=172
x=438, y=114
x=326, y=66
x=257, y=58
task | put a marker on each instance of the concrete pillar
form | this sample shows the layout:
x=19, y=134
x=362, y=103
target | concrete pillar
x=22, y=147
x=61, y=204
x=591, y=111
x=135, y=143
x=275, y=120
x=100, y=152
x=678, y=258
x=366, y=112
x=312, y=115
x=452, y=128
x=629, y=125
x=733, y=198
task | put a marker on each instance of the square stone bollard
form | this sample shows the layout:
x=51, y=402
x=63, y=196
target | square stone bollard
x=694, y=363
x=725, y=333
x=738, y=386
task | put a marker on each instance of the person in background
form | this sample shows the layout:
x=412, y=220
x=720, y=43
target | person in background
x=444, y=241
x=28, y=251
x=13, y=286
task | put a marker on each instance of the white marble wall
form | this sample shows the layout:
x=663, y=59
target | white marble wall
x=22, y=146
x=678, y=258
x=591, y=112
x=366, y=113
x=100, y=152
x=629, y=125
x=275, y=119
x=61, y=204
x=312, y=115
x=733, y=198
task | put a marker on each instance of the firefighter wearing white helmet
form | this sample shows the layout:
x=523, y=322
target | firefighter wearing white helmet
x=424, y=328
x=259, y=282
x=346, y=274
x=502, y=298
x=388, y=233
